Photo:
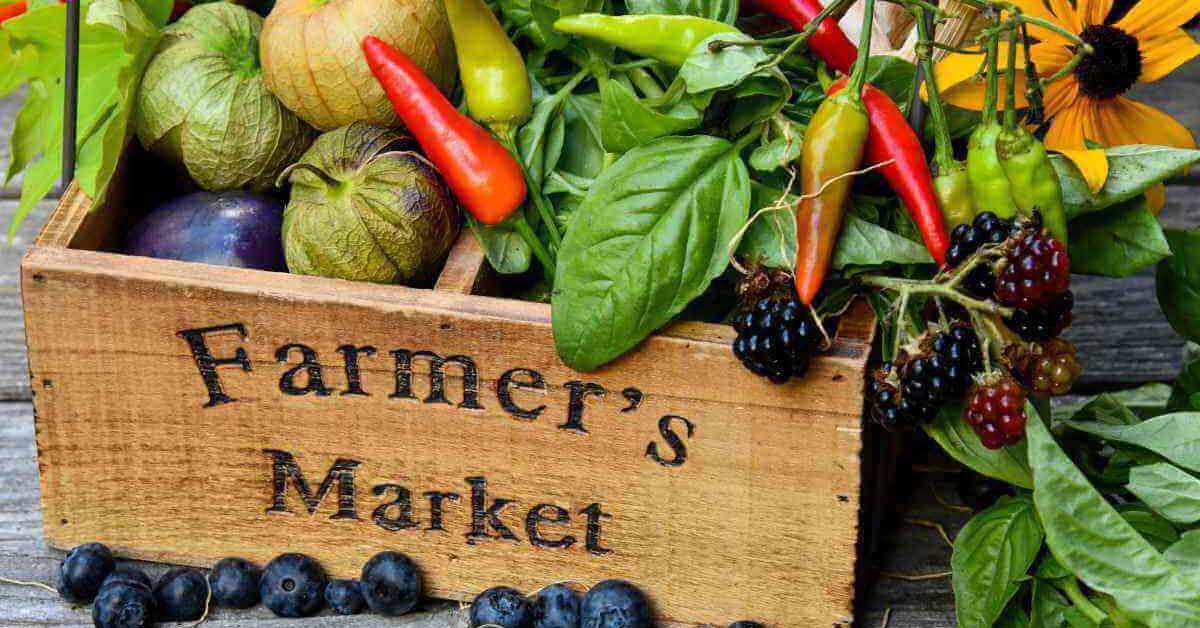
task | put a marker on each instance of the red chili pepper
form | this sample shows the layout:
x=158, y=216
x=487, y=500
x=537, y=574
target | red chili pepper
x=484, y=176
x=829, y=42
x=9, y=11
x=892, y=138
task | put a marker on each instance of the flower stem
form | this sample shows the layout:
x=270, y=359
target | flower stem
x=943, y=156
x=928, y=288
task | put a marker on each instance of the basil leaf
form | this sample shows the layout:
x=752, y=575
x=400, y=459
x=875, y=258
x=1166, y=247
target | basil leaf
x=1178, y=283
x=648, y=239
x=758, y=98
x=1175, y=437
x=720, y=10
x=960, y=441
x=1132, y=170
x=627, y=122
x=706, y=70
x=777, y=153
x=506, y=250
x=1185, y=394
x=1185, y=553
x=1152, y=526
x=991, y=553
x=863, y=243
x=1046, y=606
x=583, y=150
x=771, y=239
x=544, y=13
x=1091, y=539
x=540, y=140
x=1118, y=241
x=1170, y=491
x=1013, y=617
x=1105, y=408
x=894, y=76
x=1050, y=569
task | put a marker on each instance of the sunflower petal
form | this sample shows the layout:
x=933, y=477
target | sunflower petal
x=1163, y=54
x=1151, y=19
x=962, y=84
x=1037, y=9
x=1092, y=163
x=1124, y=121
x=1050, y=57
x=1061, y=95
x=1094, y=11
x=1066, y=15
x=1067, y=130
x=1156, y=198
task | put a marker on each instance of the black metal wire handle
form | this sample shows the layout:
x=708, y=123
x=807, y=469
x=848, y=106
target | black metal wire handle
x=71, y=95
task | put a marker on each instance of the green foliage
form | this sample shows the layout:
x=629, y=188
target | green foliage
x=650, y=236
x=628, y=122
x=706, y=71
x=1185, y=394
x=1133, y=169
x=1172, y=436
x=1118, y=241
x=720, y=10
x=1178, y=282
x=1169, y=490
x=992, y=553
x=956, y=437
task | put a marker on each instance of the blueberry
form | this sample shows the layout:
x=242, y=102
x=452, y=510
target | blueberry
x=745, y=624
x=234, y=583
x=181, y=594
x=123, y=604
x=556, y=606
x=293, y=585
x=615, y=604
x=83, y=571
x=391, y=583
x=129, y=575
x=501, y=606
x=344, y=597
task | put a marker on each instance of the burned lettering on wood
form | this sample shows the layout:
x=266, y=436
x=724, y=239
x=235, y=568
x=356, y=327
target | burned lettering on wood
x=673, y=441
x=580, y=391
x=309, y=364
x=436, y=512
x=207, y=363
x=350, y=355
x=536, y=517
x=402, y=503
x=483, y=515
x=437, y=377
x=508, y=381
x=283, y=466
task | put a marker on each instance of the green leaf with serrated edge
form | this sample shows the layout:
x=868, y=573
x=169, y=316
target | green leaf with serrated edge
x=962, y=443
x=627, y=121
x=706, y=70
x=1090, y=538
x=1132, y=169
x=720, y=10
x=1175, y=437
x=1169, y=490
x=1118, y=241
x=991, y=553
x=1187, y=385
x=649, y=238
x=505, y=249
x=1178, y=283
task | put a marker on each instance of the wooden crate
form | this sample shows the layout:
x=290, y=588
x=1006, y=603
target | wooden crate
x=188, y=412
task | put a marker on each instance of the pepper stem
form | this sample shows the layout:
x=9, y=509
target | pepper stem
x=535, y=244
x=992, y=93
x=834, y=10
x=1010, y=80
x=943, y=156
x=859, y=79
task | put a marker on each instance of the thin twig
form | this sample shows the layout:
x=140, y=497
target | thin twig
x=29, y=583
x=933, y=525
x=947, y=505
x=916, y=578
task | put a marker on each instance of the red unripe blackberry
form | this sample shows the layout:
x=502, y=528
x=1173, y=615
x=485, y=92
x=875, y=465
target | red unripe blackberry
x=1035, y=269
x=1052, y=368
x=1045, y=322
x=996, y=410
x=776, y=338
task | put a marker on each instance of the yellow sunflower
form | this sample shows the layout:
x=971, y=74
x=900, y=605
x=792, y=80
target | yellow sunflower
x=1088, y=104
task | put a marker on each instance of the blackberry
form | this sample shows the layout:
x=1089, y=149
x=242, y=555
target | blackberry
x=344, y=597
x=966, y=240
x=181, y=595
x=556, y=606
x=776, y=338
x=996, y=411
x=615, y=604
x=883, y=400
x=1035, y=270
x=501, y=606
x=234, y=583
x=83, y=571
x=961, y=357
x=391, y=583
x=1045, y=322
x=1051, y=368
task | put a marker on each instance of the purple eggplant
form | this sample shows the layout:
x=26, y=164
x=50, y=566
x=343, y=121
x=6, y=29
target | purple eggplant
x=225, y=228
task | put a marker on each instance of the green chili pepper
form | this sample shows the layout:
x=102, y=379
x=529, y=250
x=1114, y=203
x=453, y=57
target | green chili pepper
x=952, y=185
x=1034, y=181
x=668, y=38
x=989, y=185
x=493, y=72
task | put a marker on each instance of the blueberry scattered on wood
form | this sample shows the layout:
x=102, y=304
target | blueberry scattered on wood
x=181, y=595
x=293, y=585
x=83, y=571
x=501, y=606
x=124, y=604
x=235, y=583
x=391, y=583
x=344, y=597
x=556, y=606
x=129, y=575
x=615, y=604
x=745, y=624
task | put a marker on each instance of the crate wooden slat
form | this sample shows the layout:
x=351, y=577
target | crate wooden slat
x=762, y=520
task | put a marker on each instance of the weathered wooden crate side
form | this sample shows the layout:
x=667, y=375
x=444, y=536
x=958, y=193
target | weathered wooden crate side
x=723, y=496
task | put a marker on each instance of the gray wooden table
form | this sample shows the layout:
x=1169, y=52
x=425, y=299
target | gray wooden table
x=1120, y=332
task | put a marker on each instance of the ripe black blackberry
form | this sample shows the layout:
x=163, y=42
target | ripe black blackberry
x=966, y=240
x=1045, y=322
x=961, y=356
x=776, y=338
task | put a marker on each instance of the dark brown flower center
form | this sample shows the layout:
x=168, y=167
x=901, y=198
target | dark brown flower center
x=1114, y=67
